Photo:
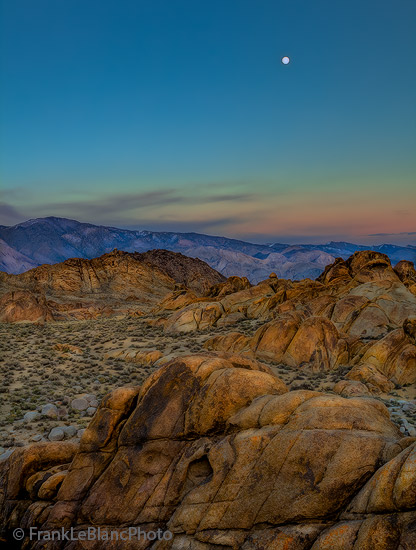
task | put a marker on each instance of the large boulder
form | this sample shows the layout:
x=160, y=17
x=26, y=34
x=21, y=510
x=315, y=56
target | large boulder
x=390, y=361
x=358, y=316
x=24, y=306
x=394, y=299
x=232, y=342
x=351, y=388
x=230, y=286
x=368, y=265
x=218, y=452
x=175, y=300
x=313, y=342
x=372, y=309
x=199, y=316
x=28, y=461
x=363, y=266
x=382, y=515
x=335, y=273
x=407, y=274
x=242, y=300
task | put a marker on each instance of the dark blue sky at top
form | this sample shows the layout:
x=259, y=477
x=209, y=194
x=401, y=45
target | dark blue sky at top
x=103, y=98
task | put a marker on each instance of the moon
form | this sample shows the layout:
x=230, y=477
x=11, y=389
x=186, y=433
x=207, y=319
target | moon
x=285, y=60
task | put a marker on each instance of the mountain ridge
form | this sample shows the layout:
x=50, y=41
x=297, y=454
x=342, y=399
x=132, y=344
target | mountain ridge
x=52, y=240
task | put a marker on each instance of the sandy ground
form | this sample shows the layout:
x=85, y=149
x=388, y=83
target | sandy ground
x=34, y=373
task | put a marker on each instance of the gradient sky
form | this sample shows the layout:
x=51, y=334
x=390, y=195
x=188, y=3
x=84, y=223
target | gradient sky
x=178, y=115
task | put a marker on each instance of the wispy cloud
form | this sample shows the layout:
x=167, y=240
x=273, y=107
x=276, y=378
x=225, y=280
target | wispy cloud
x=160, y=208
x=231, y=197
x=240, y=212
x=218, y=226
x=9, y=215
x=391, y=234
x=110, y=206
x=119, y=203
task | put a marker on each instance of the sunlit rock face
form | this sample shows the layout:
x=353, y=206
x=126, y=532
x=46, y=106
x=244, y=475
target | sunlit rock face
x=216, y=450
x=117, y=283
x=359, y=313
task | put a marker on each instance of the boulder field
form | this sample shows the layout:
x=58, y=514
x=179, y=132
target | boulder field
x=217, y=451
x=214, y=448
x=360, y=313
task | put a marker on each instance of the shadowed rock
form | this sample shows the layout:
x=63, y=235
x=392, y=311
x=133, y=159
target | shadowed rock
x=216, y=450
x=407, y=274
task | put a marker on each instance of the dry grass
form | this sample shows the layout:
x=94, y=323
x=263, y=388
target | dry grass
x=33, y=372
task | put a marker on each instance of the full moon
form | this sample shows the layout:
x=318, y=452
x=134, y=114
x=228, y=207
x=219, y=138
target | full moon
x=285, y=60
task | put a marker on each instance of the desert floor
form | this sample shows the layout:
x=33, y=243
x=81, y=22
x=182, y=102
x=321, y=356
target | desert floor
x=34, y=373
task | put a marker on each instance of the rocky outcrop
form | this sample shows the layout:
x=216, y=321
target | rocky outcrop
x=175, y=300
x=364, y=266
x=363, y=297
x=232, y=342
x=382, y=515
x=407, y=274
x=390, y=361
x=23, y=305
x=217, y=451
x=193, y=273
x=201, y=314
x=356, y=304
x=197, y=316
x=313, y=342
x=231, y=285
x=371, y=310
x=115, y=283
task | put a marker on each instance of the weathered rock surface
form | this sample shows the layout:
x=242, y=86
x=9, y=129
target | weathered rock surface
x=353, y=315
x=195, y=317
x=177, y=299
x=314, y=342
x=230, y=286
x=216, y=450
x=193, y=273
x=391, y=360
x=23, y=305
x=232, y=342
x=407, y=274
x=104, y=286
x=351, y=388
x=363, y=266
x=214, y=447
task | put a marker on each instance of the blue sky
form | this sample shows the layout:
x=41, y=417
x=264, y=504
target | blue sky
x=178, y=115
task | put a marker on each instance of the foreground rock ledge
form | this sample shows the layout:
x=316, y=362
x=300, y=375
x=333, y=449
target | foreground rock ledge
x=216, y=450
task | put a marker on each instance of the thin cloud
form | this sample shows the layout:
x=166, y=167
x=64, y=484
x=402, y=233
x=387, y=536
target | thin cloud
x=231, y=197
x=391, y=234
x=9, y=215
x=118, y=206
x=111, y=205
x=186, y=226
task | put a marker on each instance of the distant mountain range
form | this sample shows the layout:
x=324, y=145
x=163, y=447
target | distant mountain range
x=51, y=240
